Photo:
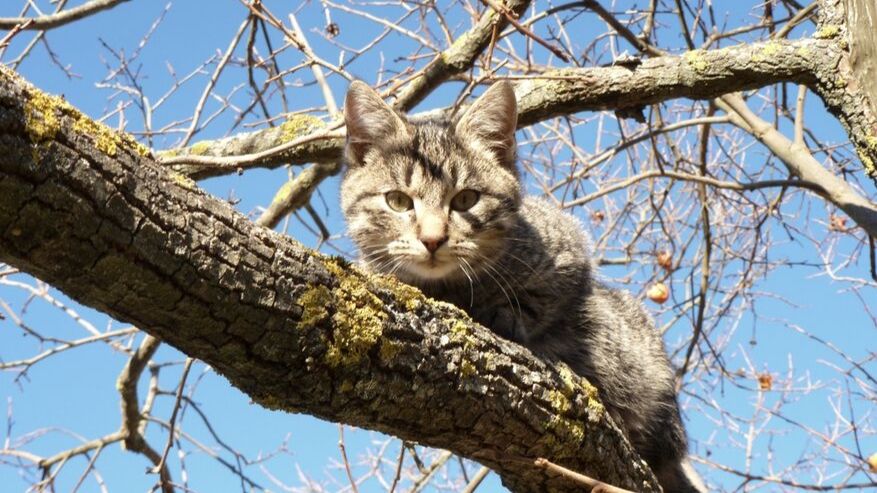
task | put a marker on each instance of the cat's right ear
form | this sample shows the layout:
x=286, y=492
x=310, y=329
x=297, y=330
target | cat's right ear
x=369, y=121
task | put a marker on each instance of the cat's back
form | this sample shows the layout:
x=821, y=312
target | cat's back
x=556, y=239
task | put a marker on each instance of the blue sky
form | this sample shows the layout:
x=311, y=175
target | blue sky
x=76, y=390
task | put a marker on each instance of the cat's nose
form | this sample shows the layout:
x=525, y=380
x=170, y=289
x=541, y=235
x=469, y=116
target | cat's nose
x=433, y=243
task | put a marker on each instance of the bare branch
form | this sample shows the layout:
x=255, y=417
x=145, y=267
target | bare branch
x=59, y=19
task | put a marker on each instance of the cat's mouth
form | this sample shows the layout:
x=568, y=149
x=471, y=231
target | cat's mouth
x=433, y=267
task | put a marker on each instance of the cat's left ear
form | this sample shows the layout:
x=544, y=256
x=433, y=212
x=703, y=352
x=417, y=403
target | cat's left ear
x=370, y=121
x=492, y=119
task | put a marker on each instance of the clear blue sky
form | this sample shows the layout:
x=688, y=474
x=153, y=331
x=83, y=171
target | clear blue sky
x=76, y=391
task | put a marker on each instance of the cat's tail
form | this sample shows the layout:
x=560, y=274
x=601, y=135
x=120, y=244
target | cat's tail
x=680, y=477
x=692, y=476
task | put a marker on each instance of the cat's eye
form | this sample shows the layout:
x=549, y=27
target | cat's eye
x=464, y=200
x=398, y=201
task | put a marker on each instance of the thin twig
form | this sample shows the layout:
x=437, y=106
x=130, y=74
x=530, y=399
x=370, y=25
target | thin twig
x=173, y=421
x=510, y=16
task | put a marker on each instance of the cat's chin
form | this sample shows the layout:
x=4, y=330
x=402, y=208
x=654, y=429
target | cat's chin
x=430, y=271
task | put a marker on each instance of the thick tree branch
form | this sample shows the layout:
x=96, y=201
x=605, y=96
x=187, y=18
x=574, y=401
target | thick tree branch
x=699, y=74
x=88, y=211
x=847, y=86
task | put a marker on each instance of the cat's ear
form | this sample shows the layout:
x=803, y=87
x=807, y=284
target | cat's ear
x=492, y=119
x=369, y=120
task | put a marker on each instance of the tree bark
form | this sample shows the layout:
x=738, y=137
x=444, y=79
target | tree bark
x=89, y=211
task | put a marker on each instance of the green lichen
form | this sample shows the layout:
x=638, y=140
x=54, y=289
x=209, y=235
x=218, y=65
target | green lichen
x=460, y=332
x=772, y=48
x=868, y=163
x=767, y=51
x=298, y=125
x=573, y=385
x=569, y=383
x=357, y=316
x=567, y=430
x=389, y=350
x=594, y=405
x=358, y=322
x=827, y=32
x=42, y=122
x=696, y=59
x=411, y=298
x=183, y=180
x=169, y=153
x=314, y=302
x=559, y=402
x=40, y=117
x=104, y=139
x=407, y=296
x=199, y=148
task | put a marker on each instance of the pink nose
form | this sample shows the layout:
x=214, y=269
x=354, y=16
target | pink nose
x=433, y=244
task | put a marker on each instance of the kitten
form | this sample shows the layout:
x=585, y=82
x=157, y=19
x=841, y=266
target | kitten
x=438, y=203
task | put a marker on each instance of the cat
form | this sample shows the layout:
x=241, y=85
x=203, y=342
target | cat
x=437, y=202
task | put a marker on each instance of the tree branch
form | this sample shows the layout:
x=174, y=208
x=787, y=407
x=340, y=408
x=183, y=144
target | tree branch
x=699, y=74
x=59, y=19
x=90, y=212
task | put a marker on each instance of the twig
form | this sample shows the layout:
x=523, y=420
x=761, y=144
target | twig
x=595, y=485
x=730, y=185
x=477, y=479
x=430, y=472
x=4, y=43
x=799, y=17
x=315, y=67
x=344, y=458
x=196, y=116
x=510, y=16
x=398, y=468
x=173, y=421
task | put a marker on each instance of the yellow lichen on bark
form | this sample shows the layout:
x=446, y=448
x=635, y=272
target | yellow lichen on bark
x=298, y=125
x=43, y=115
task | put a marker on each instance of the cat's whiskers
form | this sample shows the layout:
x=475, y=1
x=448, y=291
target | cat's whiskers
x=462, y=262
x=522, y=261
x=487, y=270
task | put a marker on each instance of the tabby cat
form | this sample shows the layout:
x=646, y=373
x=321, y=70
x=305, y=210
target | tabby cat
x=437, y=202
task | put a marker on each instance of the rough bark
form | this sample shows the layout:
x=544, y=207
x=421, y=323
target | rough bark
x=848, y=87
x=90, y=212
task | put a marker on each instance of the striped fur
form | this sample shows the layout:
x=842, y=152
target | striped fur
x=517, y=265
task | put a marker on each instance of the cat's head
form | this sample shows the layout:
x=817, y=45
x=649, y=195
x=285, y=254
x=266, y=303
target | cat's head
x=430, y=200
